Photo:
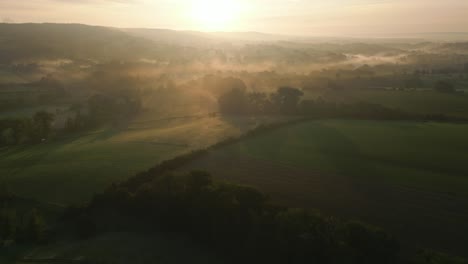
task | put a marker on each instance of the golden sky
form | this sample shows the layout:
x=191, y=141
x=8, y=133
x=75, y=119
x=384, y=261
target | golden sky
x=295, y=17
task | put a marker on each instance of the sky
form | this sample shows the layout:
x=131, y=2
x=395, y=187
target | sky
x=291, y=17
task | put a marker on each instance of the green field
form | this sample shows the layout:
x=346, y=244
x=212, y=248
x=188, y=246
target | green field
x=423, y=155
x=406, y=177
x=71, y=170
x=423, y=102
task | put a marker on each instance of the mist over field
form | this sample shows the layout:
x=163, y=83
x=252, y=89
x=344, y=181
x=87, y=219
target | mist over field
x=195, y=137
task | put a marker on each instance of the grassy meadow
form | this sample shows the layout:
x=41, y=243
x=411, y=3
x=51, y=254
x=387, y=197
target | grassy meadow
x=423, y=155
x=71, y=170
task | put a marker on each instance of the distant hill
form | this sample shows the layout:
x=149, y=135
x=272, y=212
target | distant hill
x=27, y=41
x=456, y=47
x=198, y=38
x=167, y=36
x=76, y=41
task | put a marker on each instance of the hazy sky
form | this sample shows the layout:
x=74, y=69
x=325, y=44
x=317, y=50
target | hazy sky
x=310, y=17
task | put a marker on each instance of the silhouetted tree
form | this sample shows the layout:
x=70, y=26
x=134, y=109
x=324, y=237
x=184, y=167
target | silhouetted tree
x=42, y=125
x=286, y=99
x=259, y=102
x=234, y=102
x=34, y=228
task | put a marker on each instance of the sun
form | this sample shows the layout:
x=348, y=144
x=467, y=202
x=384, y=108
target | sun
x=215, y=15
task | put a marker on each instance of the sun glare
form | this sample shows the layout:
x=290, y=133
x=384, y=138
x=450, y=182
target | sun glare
x=214, y=15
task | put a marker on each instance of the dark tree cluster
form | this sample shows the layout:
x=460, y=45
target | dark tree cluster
x=101, y=108
x=78, y=123
x=238, y=221
x=238, y=101
x=114, y=106
x=26, y=130
x=287, y=101
x=18, y=226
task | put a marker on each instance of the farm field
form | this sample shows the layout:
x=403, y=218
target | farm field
x=423, y=102
x=409, y=178
x=71, y=170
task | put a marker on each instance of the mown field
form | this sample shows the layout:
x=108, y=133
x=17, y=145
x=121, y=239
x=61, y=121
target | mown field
x=413, y=101
x=410, y=178
x=71, y=170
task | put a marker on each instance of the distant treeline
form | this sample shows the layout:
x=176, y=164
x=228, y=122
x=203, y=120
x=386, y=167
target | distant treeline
x=98, y=109
x=101, y=109
x=14, y=131
x=287, y=101
x=113, y=99
x=46, y=90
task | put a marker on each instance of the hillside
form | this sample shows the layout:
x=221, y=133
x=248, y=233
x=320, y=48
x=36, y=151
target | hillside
x=72, y=41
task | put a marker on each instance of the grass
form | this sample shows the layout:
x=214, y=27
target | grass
x=71, y=170
x=422, y=155
x=423, y=102
x=405, y=177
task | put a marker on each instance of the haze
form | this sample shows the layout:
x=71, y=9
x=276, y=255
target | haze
x=234, y=131
x=298, y=17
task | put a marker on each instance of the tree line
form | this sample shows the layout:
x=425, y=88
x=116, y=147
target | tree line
x=99, y=109
x=19, y=226
x=109, y=106
x=288, y=101
x=15, y=131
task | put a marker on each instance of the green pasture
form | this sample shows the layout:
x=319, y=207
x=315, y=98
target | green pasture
x=71, y=170
x=422, y=155
x=414, y=101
